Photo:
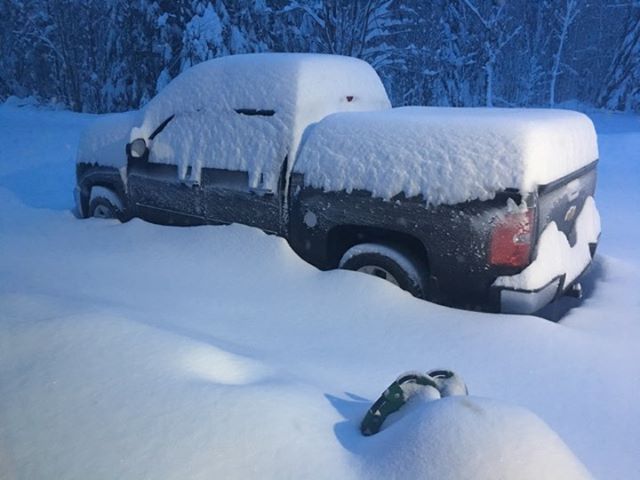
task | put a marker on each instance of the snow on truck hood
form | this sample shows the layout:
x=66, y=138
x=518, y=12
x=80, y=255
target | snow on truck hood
x=447, y=155
x=105, y=139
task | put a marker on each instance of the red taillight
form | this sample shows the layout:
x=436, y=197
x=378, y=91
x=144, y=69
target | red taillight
x=511, y=239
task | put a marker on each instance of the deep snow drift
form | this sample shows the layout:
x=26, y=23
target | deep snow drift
x=141, y=351
x=467, y=438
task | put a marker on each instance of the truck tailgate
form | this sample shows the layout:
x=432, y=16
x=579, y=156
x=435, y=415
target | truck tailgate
x=567, y=232
x=562, y=201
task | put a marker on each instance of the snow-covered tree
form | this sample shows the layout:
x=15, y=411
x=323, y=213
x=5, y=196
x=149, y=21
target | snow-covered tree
x=216, y=30
x=621, y=89
x=495, y=30
x=109, y=55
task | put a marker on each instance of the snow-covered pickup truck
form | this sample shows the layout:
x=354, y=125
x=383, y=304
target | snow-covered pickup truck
x=477, y=208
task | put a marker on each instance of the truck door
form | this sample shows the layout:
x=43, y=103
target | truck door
x=228, y=199
x=159, y=191
x=242, y=183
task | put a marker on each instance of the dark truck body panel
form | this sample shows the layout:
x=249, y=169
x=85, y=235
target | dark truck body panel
x=155, y=193
x=452, y=241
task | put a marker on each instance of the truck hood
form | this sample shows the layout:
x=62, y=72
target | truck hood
x=104, y=140
x=447, y=155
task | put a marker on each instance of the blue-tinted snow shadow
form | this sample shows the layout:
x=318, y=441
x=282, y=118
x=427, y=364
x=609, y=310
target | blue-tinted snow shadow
x=353, y=409
x=47, y=186
x=557, y=310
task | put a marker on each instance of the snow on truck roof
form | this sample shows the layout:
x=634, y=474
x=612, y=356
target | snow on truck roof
x=296, y=90
x=447, y=155
x=278, y=81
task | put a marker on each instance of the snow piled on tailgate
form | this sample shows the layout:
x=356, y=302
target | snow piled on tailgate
x=447, y=155
x=291, y=91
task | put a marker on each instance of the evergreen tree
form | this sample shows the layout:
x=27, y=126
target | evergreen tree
x=110, y=55
x=621, y=90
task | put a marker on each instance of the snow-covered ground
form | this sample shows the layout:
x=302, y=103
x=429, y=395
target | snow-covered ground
x=141, y=351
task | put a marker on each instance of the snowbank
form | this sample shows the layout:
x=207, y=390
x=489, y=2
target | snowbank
x=555, y=256
x=468, y=437
x=299, y=88
x=447, y=155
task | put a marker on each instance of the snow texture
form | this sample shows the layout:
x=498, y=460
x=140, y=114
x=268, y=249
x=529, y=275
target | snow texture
x=136, y=351
x=447, y=155
x=555, y=256
x=483, y=439
x=207, y=130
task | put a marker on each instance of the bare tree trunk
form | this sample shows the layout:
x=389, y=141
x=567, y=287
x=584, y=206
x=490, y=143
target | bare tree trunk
x=567, y=19
x=488, y=68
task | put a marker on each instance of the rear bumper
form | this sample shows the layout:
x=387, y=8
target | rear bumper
x=528, y=301
x=525, y=302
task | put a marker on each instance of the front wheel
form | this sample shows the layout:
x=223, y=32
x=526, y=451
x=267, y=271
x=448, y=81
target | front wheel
x=105, y=203
x=388, y=263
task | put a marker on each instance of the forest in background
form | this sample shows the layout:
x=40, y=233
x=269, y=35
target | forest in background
x=114, y=55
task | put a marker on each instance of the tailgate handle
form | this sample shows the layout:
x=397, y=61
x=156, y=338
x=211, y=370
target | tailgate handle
x=573, y=190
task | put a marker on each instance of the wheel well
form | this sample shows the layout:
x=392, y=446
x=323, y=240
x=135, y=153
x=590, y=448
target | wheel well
x=107, y=192
x=88, y=186
x=343, y=237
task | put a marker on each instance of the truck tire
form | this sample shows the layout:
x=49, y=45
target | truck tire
x=105, y=203
x=389, y=263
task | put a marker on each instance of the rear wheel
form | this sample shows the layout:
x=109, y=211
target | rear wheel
x=388, y=263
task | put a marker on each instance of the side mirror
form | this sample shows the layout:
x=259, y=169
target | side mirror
x=137, y=148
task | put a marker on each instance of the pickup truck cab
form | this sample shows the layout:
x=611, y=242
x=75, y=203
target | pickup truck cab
x=475, y=208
